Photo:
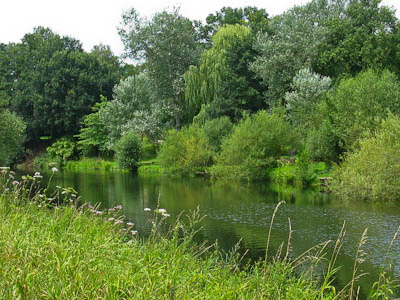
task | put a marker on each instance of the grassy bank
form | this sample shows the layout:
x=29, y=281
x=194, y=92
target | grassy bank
x=66, y=252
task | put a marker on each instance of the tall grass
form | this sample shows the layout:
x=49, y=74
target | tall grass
x=52, y=247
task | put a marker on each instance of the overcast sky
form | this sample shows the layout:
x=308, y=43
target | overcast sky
x=95, y=21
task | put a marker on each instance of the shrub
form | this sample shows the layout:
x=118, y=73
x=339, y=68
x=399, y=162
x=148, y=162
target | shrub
x=128, y=150
x=149, y=149
x=12, y=136
x=216, y=130
x=63, y=149
x=373, y=171
x=186, y=151
x=256, y=142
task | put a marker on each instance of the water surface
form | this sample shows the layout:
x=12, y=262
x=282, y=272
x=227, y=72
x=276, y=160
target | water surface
x=244, y=213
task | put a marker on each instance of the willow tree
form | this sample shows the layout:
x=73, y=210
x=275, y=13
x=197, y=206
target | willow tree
x=223, y=83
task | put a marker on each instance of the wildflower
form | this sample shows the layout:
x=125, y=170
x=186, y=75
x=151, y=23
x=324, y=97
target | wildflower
x=37, y=175
x=166, y=215
x=118, y=207
x=110, y=219
x=63, y=192
x=6, y=189
x=111, y=209
x=118, y=222
x=54, y=169
x=4, y=168
x=130, y=224
x=147, y=209
x=134, y=232
x=15, y=182
x=90, y=206
x=162, y=211
x=99, y=212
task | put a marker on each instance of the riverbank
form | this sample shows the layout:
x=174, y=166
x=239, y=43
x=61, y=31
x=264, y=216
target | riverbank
x=74, y=253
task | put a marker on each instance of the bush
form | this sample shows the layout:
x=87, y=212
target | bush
x=373, y=171
x=149, y=149
x=322, y=143
x=128, y=150
x=63, y=149
x=216, y=130
x=256, y=142
x=186, y=151
x=12, y=136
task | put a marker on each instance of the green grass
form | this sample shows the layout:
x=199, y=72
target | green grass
x=92, y=164
x=305, y=175
x=66, y=252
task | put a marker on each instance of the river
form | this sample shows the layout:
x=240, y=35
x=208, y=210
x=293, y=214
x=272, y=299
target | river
x=234, y=213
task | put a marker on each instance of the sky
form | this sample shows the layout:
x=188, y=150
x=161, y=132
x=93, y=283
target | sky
x=95, y=22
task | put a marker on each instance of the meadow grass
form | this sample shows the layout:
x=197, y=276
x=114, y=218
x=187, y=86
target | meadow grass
x=52, y=247
x=79, y=252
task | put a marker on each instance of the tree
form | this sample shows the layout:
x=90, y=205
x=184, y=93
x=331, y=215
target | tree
x=135, y=107
x=12, y=136
x=359, y=103
x=93, y=135
x=292, y=45
x=167, y=45
x=333, y=38
x=307, y=90
x=52, y=83
x=365, y=35
x=223, y=80
x=252, y=17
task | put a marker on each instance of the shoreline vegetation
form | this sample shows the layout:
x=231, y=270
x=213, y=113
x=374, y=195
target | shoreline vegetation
x=55, y=247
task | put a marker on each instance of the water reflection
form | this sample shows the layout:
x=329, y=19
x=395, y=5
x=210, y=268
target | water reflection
x=244, y=212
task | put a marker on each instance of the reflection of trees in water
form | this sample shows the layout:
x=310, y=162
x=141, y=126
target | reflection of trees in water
x=244, y=212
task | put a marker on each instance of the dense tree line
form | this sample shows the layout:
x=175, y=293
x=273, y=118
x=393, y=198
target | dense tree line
x=308, y=82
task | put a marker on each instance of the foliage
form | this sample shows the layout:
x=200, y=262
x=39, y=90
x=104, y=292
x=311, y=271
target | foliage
x=254, y=18
x=185, y=151
x=223, y=79
x=321, y=142
x=292, y=45
x=332, y=38
x=93, y=136
x=167, y=44
x=307, y=90
x=149, y=149
x=97, y=164
x=364, y=35
x=128, y=150
x=299, y=171
x=64, y=149
x=216, y=130
x=12, y=136
x=136, y=108
x=359, y=103
x=373, y=171
x=53, y=83
x=255, y=144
